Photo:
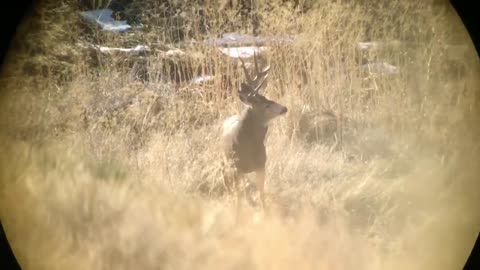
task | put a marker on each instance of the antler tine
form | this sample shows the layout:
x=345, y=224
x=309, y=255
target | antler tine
x=256, y=64
x=262, y=81
x=249, y=79
x=259, y=73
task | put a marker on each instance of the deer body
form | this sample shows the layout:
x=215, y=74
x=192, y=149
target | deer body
x=244, y=135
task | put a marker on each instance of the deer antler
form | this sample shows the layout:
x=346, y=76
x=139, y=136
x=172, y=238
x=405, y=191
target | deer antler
x=260, y=76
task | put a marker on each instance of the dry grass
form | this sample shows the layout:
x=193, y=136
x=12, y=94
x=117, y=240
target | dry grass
x=101, y=171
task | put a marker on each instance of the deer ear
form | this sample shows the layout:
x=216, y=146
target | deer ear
x=245, y=89
x=243, y=99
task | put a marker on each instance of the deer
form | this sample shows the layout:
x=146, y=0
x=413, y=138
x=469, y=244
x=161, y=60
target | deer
x=244, y=135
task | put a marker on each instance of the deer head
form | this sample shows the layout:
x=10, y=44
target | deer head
x=250, y=96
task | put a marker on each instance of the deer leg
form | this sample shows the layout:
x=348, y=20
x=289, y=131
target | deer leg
x=245, y=188
x=227, y=182
x=248, y=193
x=238, y=190
x=260, y=177
x=229, y=175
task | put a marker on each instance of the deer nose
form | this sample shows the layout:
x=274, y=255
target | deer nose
x=284, y=110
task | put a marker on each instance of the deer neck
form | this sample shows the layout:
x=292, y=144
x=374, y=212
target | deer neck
x=255, y=124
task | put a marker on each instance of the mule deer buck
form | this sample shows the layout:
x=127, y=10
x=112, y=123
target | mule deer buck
x=244, y=135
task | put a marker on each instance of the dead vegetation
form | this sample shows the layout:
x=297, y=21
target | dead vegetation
x=113, y=161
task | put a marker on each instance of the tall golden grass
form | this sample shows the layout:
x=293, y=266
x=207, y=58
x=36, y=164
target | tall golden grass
x=102, y=171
